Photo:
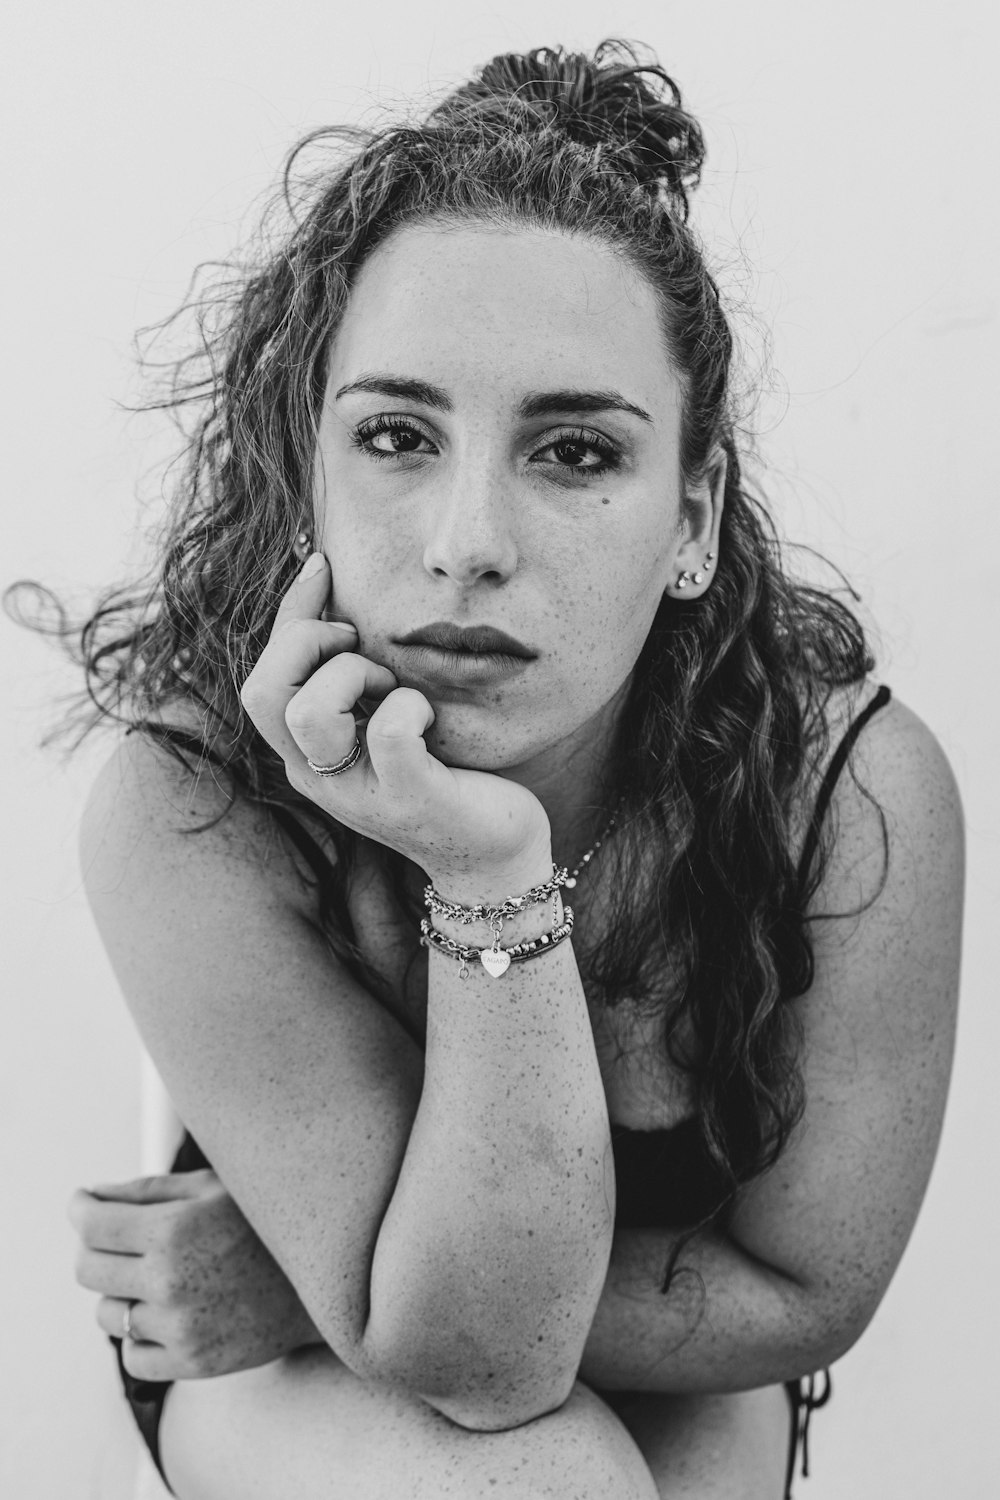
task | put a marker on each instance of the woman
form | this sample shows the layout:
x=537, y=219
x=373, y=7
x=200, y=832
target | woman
x=465, y=613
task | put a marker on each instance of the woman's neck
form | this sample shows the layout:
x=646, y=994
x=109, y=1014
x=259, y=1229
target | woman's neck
x=574, y=782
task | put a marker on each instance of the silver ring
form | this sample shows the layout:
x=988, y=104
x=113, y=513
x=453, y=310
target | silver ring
x=341, y=765
x=127, y=1322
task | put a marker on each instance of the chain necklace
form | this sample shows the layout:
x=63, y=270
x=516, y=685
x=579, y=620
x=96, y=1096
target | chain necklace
x=573, y=876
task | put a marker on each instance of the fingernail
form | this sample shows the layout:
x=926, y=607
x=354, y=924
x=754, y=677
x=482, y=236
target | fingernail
x=343, y=625
x=312, y=565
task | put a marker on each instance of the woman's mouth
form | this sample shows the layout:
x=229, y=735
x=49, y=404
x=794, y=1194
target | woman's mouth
x=443, y=655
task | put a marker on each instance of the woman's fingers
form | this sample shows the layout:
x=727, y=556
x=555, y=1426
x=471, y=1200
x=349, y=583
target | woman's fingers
x=147, y=1353
x=123, y=1228
x=299, y=643
x=320, y=717
x=143, y=1325
x=113, y=1275
x=395, y=740
x=166, y=1187
x=308, y=592
x=291, y=657
x=304, y=692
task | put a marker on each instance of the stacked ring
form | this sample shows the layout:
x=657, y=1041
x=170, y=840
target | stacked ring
x=340, y=766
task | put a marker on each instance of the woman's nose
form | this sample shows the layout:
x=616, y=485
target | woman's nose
x=469, y=532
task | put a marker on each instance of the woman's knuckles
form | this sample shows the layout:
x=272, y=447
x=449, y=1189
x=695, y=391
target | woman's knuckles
x=404, y=714
x=312, y=720
x=254, y=696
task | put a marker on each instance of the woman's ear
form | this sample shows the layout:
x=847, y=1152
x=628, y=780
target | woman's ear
x=701, y=516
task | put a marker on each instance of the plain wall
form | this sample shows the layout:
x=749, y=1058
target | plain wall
x=849, y=200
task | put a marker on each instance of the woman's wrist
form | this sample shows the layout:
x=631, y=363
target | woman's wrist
x=524, y=926
x=470, y=881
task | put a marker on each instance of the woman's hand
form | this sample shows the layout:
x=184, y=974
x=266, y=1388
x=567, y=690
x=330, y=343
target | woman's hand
x=207, y=1297
x=304, y=696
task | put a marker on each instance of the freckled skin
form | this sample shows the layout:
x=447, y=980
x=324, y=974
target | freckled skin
x=477, y=528
x=480, y=530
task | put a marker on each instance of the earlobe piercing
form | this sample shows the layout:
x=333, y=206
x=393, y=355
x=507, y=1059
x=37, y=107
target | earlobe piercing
x=685, y=577
x=303, y=545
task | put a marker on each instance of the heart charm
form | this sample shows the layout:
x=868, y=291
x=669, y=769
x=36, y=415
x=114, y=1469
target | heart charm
x=495, y=961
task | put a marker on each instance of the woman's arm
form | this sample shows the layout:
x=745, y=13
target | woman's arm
x=733, y=1319
x=447, y=1220
x=794, y=1277
x=205, y=1296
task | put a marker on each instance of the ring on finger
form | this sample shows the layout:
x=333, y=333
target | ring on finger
x=339, y=766
x=127, y=1322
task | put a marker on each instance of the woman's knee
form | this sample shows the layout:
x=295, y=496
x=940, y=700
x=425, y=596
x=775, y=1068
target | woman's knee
x=580, y=1452
x=308, y=1427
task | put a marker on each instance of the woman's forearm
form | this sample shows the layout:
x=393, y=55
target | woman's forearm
x=492, y=1254
x=727, y=1323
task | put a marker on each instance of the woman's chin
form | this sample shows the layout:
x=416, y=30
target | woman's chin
x=454, y=741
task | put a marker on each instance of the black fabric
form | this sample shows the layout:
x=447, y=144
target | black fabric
x=665, y=1178
x=804, y=1400
x=837, y=762
x=146, y=1397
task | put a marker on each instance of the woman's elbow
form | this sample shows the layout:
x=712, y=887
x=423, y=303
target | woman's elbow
x=511, y=1406
x=477, y=1388
x=834, y=1329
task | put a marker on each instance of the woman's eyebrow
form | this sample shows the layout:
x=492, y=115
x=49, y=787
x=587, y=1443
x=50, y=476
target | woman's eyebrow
x=540, y=404
x=547, y=403
x=404, y=389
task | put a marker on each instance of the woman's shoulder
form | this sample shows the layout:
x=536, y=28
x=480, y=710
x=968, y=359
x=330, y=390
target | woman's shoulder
x=886, y=741
x=885, y=781
x=152, y=814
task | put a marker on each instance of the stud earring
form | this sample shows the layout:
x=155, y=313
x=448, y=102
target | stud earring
x=682, y=581
x=303, y=545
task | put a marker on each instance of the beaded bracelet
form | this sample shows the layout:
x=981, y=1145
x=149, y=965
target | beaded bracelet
x=441, y=908
x=496, y=960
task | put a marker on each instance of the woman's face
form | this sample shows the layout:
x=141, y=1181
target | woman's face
x=499, y=451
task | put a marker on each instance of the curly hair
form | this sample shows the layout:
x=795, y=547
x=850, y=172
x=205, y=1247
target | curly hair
x=725, y=716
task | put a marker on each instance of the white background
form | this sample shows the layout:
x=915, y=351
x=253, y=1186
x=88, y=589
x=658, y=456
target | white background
x=850, y=201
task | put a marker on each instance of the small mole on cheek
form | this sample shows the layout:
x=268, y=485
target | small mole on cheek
x=605, y=500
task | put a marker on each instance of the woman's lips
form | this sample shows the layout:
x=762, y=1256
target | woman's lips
x=440, y=668
x=444, y=655
x=479, y=640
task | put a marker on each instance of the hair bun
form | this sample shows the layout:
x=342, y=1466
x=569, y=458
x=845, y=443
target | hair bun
x=613, y=100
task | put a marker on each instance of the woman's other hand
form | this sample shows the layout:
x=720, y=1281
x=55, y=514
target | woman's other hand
x=207, y=1297
x=308, y=695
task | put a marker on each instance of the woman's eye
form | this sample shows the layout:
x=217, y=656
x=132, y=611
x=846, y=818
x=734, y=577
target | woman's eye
x=389, y=437
x=584, y=452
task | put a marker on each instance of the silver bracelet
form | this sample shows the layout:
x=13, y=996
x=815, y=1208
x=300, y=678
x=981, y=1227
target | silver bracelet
x=437, y=904
x=496, y=960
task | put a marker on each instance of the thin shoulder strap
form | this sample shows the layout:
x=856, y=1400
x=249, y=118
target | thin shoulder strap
x=837, y=762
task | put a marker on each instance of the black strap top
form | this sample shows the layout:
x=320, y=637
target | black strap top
x=665, y=1178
